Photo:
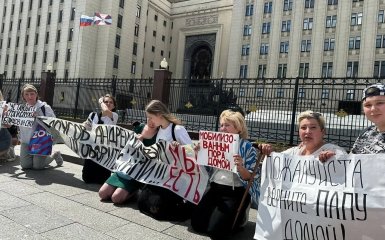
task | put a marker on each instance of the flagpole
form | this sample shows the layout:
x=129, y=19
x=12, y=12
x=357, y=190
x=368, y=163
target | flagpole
x=77, y=47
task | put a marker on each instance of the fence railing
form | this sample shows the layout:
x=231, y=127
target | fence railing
x=271, y=105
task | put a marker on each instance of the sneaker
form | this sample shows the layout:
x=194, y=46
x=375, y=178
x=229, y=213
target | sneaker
x=58, y=158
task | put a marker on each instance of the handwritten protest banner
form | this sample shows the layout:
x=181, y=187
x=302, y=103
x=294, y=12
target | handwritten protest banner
x=217, y=149
x=165, y=165
x=303, y=198
x=2, y=104
x=118, y=149
x=19, y=115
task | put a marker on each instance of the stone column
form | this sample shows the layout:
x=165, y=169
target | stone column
x=47, y=87
x=161, y=86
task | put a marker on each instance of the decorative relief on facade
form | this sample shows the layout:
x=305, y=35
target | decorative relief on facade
x=202, y=20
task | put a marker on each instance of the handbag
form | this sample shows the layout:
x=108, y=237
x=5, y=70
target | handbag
x=41, y=142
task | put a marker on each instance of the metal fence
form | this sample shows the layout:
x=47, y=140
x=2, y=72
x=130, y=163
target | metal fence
x=271, y=105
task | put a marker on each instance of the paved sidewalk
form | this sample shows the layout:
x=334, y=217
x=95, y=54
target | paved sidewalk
x=56, y=204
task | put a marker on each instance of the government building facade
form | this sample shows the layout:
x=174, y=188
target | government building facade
x=198, y=38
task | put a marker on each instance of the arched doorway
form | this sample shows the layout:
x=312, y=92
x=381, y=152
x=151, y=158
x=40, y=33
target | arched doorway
x=201, y=62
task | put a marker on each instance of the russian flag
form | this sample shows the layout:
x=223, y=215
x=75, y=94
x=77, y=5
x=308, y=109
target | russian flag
x=102, y=19
x=86, y=20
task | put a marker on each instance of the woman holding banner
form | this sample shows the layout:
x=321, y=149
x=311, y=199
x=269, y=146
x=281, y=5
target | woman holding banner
x=217, y=210
x=28, y=160
x=372, y=139
x=311, y=132
x=119, y=187
x=158, y=202
x=5, y=136
x=93, y=172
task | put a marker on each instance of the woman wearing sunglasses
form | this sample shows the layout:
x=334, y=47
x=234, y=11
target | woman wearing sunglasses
x=93, y=172
x=372, y=139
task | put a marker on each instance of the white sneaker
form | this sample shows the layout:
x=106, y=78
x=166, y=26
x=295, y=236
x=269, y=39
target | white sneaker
x=58, y=158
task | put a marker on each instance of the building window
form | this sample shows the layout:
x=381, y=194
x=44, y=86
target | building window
x=305, y=45
x=249, y=9
x=121, y=3
x=243, y=71
x=34, y=57
x=154, y=33
x=331, y=21
x=242, y=92
x=9, y=43
x=19, y=24
x=379, y=69
x=245, y=49
x=45, y=57
x=70, y=34
x=246, y=30
x=151, y=64
x=325, y=93
x=286, y=26
x=153, y=49
x=303, y=70
x=381, y=18
x=354, y=42
x=56, y=55
x=138, y=9
x=308, y=24
x=46, y=37
x=135, y=48
x=72, y=14
x=26, y=40
x=120, y=21
x=68, y=57
x=380, y=41
x=287, y=5
x=60, y=16
x=17, y=41
x=36, y=38
x=58, y=35
x=266, y=28
x=284, y=47
x=264, y=49
x=261, y=71
x=48, y=19
x=280, y=93
x=15, y=60
x=350, y=94
x=259, y=92
x=356, y=19
x=329, y=44
x=136, y=30
x=301, y=93
x=117, y=41
x=268, y=7
x=163, y=38
x=29, y=22
x=10, y=26
x=116, y=61
x=352, y=69
x=282, y=69
x=164, y=23
x=6, y=59
x=155, y=17
x=309, y=3
x=332, y=2
x=133, y=67
x=327, y=69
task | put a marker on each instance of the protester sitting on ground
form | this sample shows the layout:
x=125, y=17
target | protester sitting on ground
x=311, y=132
x=5, y=137
x=216, y=211
x=93, y=172
x=119, y=187
x=372, y=139
x=28, y=161
x=158, y=202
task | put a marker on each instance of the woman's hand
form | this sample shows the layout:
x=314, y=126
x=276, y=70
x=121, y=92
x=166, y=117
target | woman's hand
x=245, y=174
x=87, y=125
x=325, y=155
x=197, y=147
x=265, y=148
x=174, y=143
